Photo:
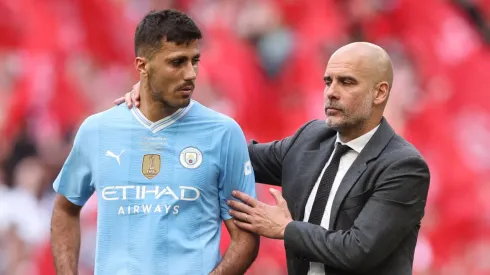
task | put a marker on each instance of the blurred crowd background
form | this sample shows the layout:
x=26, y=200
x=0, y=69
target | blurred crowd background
x=262, y=63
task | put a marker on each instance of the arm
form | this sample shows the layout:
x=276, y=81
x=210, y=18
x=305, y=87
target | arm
x=267, y=158
x=65, y=236
x=394, y=209
x=236, y=174
x=241, y=252
x=74, y=188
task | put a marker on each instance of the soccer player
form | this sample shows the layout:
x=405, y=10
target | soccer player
x=162, y=173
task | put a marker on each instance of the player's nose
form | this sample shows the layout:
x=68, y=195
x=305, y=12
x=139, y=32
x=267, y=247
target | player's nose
x=190, y=72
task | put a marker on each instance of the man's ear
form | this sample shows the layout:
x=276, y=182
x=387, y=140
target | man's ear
x=382, y=93
x=140, y=63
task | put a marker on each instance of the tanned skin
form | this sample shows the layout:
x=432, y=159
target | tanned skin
x=65, y=236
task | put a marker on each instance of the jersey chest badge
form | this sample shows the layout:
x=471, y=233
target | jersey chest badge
x=150, y=166
x=191, y=157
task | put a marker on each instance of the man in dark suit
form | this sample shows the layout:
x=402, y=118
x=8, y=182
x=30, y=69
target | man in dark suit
x=353, y=191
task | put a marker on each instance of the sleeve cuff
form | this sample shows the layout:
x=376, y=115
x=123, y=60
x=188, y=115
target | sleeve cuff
x=290, y=232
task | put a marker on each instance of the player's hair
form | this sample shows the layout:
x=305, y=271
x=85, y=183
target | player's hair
x=168, y=25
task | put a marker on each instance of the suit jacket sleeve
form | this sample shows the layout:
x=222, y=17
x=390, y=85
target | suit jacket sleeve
x=267, y=158
x=395, y=207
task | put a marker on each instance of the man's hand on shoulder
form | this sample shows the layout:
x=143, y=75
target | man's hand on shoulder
x=130, y=98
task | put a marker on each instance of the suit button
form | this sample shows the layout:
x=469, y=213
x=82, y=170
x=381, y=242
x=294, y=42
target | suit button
x=297, y=258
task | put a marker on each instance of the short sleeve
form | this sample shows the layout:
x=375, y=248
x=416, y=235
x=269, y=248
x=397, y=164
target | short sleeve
x=237, y=172
x=75, y=178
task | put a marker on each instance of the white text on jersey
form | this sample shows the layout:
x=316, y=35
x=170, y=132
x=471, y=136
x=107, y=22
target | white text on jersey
x=113, y=193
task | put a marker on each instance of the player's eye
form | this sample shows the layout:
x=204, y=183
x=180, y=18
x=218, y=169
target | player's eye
x=195, y=61
x=177, y=62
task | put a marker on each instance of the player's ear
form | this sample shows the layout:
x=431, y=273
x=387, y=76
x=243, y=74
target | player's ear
x=140, y=64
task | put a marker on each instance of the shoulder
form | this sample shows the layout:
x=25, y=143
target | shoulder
x=115, y=113
x=219, y=120
x=92, y=123
x=89, y=126
x=400, y=148
x=401, y=155
x=313, y=132
x=314, y=126
x=231, y=127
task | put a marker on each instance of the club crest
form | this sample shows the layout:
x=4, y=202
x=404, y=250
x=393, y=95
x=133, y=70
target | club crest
x=191, y=157
x=150, y=166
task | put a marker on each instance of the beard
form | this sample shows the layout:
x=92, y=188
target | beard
x=348, y=120
x=161, y=96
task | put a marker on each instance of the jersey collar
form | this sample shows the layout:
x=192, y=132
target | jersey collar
x=162, y=123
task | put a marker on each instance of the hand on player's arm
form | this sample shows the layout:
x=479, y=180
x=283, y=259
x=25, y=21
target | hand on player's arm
x=254, y=216
x=130, y=98
x=65, y=236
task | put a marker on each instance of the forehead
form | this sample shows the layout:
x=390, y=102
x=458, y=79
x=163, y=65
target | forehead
x=342, y=65
x=172, y=50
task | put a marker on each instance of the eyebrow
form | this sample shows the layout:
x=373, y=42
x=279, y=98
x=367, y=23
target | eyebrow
x=347, y=77
x=184, y=57
x=341, y=78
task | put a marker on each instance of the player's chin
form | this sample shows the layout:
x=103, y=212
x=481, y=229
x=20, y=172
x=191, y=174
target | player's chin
x=182, y=102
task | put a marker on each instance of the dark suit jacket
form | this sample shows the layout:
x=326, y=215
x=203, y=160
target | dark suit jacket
x=377, y=209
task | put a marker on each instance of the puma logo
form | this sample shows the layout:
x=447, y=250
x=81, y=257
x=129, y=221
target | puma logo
x=112, y=155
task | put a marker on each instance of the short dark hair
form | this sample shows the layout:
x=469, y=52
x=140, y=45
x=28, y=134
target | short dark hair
x=171, y=25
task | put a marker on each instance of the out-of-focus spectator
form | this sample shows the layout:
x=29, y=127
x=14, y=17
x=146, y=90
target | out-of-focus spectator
x=24, y=222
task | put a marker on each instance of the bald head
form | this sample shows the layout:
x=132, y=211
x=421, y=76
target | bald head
x=358, y=80
x=367, y=56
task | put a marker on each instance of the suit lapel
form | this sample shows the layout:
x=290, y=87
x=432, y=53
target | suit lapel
x=372, y=150
x=350, y=178
x=310, y=167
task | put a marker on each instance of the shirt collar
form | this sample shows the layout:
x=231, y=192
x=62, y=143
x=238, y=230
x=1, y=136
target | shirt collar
x=359, y=143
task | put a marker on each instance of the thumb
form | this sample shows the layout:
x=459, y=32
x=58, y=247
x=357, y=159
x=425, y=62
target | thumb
x=277, y=196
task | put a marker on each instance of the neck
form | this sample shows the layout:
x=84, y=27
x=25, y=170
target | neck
x=354, y=132
x=154, y=110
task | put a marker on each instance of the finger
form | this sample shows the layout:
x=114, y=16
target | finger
x=277, y=196
x=127, y=99
x=240, y=216
x=136, y=87
x=245, y=226
x=240, y=206
x=136, y=93
x=245, y=198
x=135, y=99
x=118, y=101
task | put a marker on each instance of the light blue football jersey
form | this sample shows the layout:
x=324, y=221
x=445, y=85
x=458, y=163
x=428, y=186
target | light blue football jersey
x=161, y=187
